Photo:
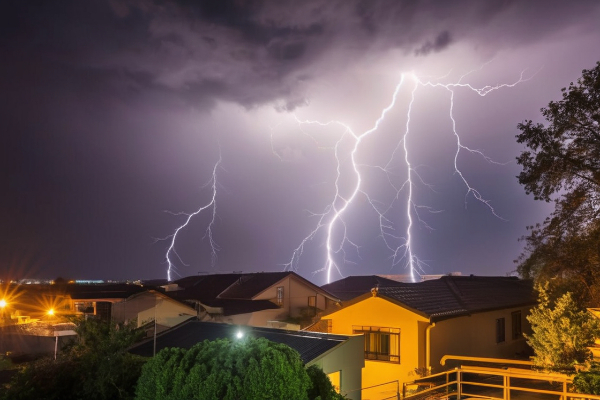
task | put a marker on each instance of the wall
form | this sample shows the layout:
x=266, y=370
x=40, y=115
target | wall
x=475, y=336
x=295, y=293
x=257, y=318
x=147, y=306
x=348, y=358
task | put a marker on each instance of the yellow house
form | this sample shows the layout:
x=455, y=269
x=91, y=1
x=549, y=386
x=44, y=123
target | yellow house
x=409, y=327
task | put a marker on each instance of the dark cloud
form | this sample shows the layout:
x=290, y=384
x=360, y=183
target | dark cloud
x=442, y=40
x=113, y=110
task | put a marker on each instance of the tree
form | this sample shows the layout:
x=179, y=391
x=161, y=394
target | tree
x=563, y=165
x=321, y=387
x=588, y=381
x=96, y=367
x=222, y=369
x=561, y=333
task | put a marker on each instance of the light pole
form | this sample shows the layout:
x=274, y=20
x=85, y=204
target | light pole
x=2, y=307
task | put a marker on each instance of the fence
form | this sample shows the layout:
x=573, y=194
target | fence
x=470, y=382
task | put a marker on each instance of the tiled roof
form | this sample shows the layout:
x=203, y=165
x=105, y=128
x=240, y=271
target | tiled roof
x=452, y=296
x=354, y=286
x=310, y=345
x=204, y=287
x=103, y=291
x=239, y=288
x=249, y=285
x=78, y=291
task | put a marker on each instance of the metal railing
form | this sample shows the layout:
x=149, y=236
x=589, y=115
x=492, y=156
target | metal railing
x=385, y=391
x=492, y=383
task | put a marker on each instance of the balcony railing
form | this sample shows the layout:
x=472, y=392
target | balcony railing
x=469, y=382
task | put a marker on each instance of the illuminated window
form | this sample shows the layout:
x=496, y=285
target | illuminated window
x=381, y=344
x=517, y=331
x=280, y=296
x=500, y=330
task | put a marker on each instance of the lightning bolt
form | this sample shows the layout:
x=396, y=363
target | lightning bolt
x=400, y=246
x=211, y=205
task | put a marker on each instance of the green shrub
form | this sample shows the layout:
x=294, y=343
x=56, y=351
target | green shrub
x=254, y=369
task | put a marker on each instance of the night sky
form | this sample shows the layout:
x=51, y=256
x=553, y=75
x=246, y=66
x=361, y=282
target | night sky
x=114, y=114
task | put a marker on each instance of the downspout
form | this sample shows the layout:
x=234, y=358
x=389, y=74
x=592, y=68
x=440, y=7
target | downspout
x=428, y=346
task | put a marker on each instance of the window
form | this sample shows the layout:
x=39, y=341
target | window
x=382, y=344
x=500, y=330
x=280, y=296
x=312, y=301
x=517, y=331
x=335, y=378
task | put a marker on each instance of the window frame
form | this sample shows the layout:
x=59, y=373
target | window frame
x=280, y=296
x=500, y=330
x=381, y=343
x=516, y=325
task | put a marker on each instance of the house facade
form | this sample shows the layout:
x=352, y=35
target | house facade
x=409, y=327
x=254, y=299
x=152, y=306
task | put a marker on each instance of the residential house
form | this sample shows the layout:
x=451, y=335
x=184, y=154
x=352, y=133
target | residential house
x=30, y=315
x=152, y=308
x=31, y=302
x=340, y=356
x=254, y=299
x=409, y=327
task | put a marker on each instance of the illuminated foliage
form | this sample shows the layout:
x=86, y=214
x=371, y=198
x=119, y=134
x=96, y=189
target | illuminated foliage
x=226, y=370
x=562, y=164
x=321, y=387
x=561, y=333
x=588, y=381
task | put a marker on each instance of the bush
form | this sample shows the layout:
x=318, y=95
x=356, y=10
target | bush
x=561, y=334
x=588, y=382
x=224, y=370
x=97, y=368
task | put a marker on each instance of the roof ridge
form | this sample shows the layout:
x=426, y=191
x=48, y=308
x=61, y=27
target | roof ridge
x=454, y=289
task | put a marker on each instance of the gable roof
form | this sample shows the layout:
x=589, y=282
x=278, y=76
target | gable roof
x=248, y=286
x=245, y=286
x=454, y=296
x=310, y=345
x=354, y=286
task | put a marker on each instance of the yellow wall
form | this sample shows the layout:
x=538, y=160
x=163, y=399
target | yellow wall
x=375, y=311
x=475, y=336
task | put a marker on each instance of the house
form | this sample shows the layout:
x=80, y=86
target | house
x=152, y=307
x=254, y=299
x=32, y=302
x=339, y=356
x=30, y=314
x=409, y=327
